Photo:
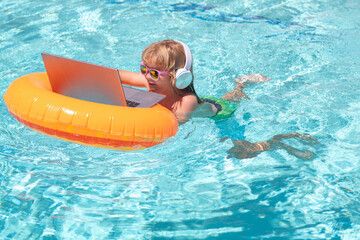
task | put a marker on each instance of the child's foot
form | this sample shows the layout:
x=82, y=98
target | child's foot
x=251, y=79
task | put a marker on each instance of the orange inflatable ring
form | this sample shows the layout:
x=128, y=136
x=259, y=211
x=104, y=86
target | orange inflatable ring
x=32, y=102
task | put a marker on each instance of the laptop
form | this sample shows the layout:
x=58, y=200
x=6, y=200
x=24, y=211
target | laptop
x=94, y=83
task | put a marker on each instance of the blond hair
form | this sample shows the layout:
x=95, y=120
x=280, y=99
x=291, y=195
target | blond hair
x=168, y=55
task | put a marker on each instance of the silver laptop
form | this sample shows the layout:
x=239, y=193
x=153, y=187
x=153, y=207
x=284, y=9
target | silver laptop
x=94, y=83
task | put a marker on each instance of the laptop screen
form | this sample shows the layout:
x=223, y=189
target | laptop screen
x=84, y=81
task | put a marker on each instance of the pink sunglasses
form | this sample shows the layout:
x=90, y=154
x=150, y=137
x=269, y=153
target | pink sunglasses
x=154, y=74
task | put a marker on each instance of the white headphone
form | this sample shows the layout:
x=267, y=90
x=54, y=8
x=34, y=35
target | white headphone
x=183, y=75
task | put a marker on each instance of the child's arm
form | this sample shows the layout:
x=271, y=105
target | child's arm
x=205, y=110
x=186, y=108
x=133, y=79
x=190, y=108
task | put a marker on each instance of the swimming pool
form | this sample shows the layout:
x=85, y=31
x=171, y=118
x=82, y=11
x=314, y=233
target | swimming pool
x=188, y=187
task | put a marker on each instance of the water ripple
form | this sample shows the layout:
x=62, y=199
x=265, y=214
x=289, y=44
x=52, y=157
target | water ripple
x=188, y=187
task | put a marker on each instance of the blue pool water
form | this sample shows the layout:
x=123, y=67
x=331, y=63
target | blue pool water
x=189, y=187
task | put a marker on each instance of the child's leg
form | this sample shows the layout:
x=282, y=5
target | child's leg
x=302, y=154
x=237, y=94
x=305, y=138
x=245, y=149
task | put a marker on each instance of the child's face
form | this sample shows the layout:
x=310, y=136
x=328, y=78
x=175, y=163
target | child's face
x=162, y=84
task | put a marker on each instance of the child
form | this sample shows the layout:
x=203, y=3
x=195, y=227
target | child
x=166, y=68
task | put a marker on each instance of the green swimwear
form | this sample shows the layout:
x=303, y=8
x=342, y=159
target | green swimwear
x=225, y=108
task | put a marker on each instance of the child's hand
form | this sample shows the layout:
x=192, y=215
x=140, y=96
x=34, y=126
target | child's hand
x=235, y=95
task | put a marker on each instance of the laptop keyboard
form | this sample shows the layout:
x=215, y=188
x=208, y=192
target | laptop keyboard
x=132, y=104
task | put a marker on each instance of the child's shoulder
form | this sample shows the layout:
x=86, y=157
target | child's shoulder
x=184, y=107
x=189, y=101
